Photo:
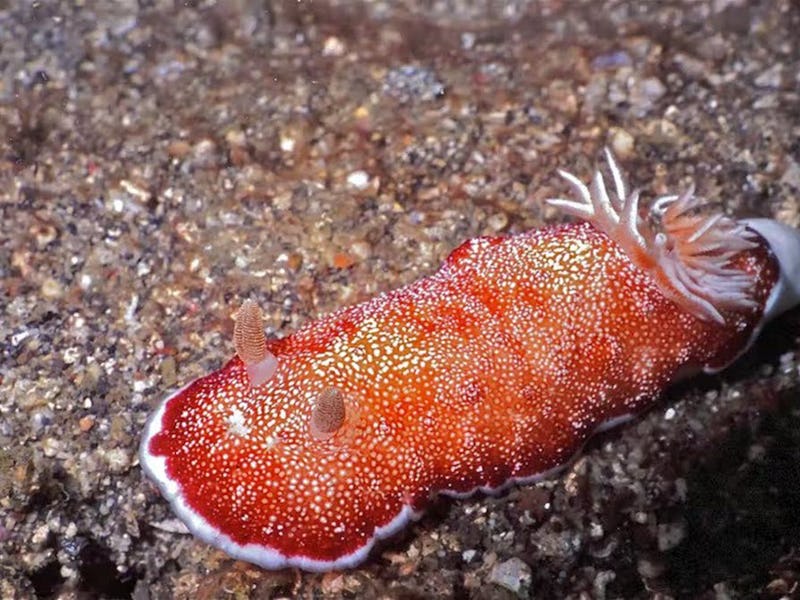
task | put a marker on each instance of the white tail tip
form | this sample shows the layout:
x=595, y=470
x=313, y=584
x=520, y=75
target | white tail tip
x=785, y=244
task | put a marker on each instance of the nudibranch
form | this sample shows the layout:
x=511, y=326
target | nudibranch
x=302, y=451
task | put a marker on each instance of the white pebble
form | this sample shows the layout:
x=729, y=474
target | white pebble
x=358, y=180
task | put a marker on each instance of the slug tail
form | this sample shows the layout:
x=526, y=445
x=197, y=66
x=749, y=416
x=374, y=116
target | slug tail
x=784, y=241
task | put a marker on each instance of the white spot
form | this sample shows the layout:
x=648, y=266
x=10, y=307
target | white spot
x=236, y=424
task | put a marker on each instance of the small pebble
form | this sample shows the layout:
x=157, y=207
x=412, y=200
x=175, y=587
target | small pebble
x=771, y=78
x=287, y=143
x=204, y=154
x=612, y=60
x=179, y=149
x=513, y=574
x=168, y=372
x=44, y=233
x=342, y=260
x=670, y=535
x=622, y=143
x=410, y=82
x=333, y=46
x=51, y=289
x=358, y=180
x=86, y=423
x=645, y=93
x=498, y=221
x=649, y=569
x=118, y=459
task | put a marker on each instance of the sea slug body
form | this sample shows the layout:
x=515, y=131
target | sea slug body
x=302, y=451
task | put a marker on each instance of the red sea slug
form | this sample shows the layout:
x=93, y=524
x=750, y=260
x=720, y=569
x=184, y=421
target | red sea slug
x=302, y=451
